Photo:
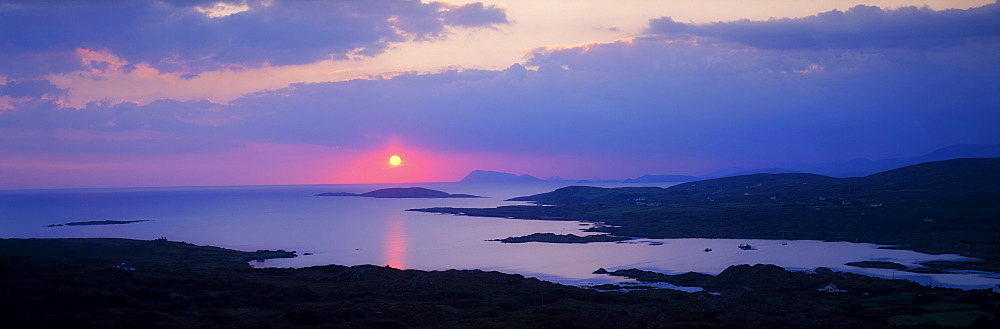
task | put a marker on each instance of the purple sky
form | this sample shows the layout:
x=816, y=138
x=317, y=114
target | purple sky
x=159, y=93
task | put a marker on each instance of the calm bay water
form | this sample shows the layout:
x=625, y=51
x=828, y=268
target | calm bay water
x=356, y=230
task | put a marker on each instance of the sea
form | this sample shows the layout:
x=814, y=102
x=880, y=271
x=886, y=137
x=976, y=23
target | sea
x=359, y=230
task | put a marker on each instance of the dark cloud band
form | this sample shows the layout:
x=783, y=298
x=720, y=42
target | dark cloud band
x=175, y=36
x=859, y=27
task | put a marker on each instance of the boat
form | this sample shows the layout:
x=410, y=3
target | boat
x=708, y=249
x=745, y=246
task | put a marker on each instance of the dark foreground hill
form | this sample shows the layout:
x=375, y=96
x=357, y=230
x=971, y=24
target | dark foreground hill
x=950, y=206
x=75, y=283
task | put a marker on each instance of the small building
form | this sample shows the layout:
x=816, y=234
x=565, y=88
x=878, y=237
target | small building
x=831, y=288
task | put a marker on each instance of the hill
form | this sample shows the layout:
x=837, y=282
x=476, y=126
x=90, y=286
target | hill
x=937, y=207
x=942, y=179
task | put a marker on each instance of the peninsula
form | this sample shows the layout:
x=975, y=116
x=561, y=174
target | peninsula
x=403, y=192
x=936, y=207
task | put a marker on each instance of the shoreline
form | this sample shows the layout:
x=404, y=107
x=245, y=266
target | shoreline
x=77, y=282
x=616, y=228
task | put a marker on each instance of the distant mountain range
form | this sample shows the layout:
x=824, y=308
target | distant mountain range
x=844, y=168
x=865, y=167
x=938, y=180
x=742, y=171
x=485, y=176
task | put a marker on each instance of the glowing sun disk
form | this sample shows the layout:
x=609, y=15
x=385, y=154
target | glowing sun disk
x=395, y=160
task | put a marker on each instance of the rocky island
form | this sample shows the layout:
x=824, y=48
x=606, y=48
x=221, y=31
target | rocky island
x=402, y=192
x=486, y=176
x=563, y=238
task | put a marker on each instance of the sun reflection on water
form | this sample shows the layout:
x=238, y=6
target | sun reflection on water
x=395, y=242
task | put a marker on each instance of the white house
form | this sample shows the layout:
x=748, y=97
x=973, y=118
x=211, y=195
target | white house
x=831, y=288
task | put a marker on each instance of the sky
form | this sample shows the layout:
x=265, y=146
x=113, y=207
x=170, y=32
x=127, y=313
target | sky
x=272, y=92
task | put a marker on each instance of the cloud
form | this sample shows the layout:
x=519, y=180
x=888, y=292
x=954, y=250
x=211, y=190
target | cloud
x=162, y=115
x=646, y=100
x=161, y=127
x=180, y=36
x=474, y=14
x=858, y=27
x=31, y=88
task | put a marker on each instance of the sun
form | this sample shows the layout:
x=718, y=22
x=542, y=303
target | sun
x=395, y=160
